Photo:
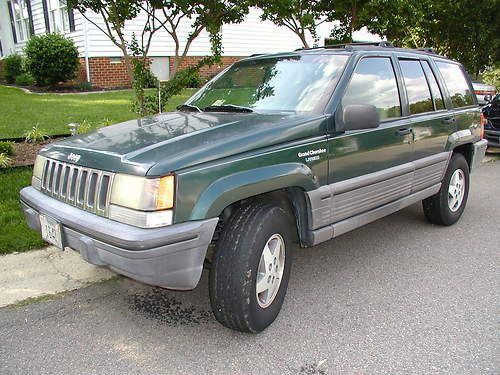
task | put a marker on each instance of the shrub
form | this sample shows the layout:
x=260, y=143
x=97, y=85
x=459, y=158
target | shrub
x=193, y=80
x=2, y=71
x=4, y=161
x=51, y=58
x=25, y=79
x=84, y=86
x=7, y=148
x=13, y=66
x=35, y=135
x=491, y=76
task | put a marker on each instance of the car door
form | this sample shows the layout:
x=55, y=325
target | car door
x=368, y=168
x=430, y=121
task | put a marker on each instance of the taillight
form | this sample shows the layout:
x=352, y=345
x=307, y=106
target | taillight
x=481, y=125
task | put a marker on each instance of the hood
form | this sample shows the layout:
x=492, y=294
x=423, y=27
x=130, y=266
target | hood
x=169, y=142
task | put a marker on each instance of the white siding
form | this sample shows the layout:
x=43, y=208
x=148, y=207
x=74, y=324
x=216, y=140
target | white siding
x=246, y=38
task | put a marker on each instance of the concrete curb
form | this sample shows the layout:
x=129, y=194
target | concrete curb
x=44, y=272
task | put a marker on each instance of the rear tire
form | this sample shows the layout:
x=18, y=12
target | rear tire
x=447, y=205
x=254, y=249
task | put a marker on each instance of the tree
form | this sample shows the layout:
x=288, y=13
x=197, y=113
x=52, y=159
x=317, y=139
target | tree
x=207, y=15
x=113, y=13
x=300, y=16
x=465, y=30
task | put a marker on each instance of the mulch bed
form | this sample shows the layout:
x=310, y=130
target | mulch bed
x=25, y=153
x=61, y=89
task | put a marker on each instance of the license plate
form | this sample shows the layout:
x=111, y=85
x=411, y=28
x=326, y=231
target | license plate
x=51, y=231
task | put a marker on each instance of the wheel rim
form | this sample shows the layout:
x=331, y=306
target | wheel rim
x=456, y=190
x=270, y=271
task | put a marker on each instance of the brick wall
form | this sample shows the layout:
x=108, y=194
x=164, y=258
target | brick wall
x=106, y=72
x=206, y=71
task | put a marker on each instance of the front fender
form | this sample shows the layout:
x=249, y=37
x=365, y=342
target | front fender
x=240, y=185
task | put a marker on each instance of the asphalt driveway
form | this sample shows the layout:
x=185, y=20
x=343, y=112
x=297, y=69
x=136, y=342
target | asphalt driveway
x=399, y=296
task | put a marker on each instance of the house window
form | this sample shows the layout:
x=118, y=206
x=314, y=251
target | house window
x=21, y=19
x=58, y=16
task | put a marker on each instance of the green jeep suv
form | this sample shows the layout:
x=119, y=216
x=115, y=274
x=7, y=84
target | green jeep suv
x=295, y=147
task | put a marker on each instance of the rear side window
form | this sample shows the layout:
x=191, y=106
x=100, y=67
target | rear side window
x=417, y=89
x=436, y=92
x=455, y=81
x=374, y=83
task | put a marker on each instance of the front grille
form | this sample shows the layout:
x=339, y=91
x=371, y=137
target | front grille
x=85, y=188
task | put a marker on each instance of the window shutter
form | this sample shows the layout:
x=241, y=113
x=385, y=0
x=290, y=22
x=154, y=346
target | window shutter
x=30, y=17
x=71, y=17
x=13, y=25
x=46, y=16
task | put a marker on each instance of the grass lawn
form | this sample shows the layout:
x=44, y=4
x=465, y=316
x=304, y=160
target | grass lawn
x=20, y=111
x=14, y=233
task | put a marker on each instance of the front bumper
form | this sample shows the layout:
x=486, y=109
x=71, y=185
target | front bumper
x=493, y=137
x=169, y=257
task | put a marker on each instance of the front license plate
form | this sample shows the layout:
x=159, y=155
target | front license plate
x=51, y=231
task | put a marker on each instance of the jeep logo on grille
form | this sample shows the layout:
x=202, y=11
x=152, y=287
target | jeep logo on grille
x=74, y=157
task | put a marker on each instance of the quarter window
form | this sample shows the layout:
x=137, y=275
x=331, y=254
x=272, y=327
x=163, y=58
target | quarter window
x=374, y=83
x=436, y=92
x=21, y=19
x=58, y=16
x=458, y=88
x=417, y=89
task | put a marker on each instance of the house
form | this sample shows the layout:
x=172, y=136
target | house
x=101, y=62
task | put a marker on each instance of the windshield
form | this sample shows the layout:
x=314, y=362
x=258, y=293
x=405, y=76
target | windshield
x=301, y=83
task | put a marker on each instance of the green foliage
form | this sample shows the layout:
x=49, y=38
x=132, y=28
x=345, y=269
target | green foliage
x=464, y=30
x=174, y=86
x=491, y=76
x=84, y=127
x=84, y=86
x=13, y=65
x=35, y=134
x=300, y=16
x=51, y=58
x=2, y=70
x=4, y=161
x=7, y=148
x=25, y=79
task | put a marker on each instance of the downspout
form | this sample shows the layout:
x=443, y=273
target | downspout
x=87, y=64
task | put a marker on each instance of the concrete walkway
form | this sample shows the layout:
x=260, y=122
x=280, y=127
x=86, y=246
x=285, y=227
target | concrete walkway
x=45, y=272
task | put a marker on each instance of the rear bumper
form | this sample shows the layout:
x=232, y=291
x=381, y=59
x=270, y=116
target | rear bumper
x=170, y=257
x=478, y=152
x=493, y=137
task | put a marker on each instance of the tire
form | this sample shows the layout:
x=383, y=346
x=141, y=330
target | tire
x=235, y=267
x=438, y=209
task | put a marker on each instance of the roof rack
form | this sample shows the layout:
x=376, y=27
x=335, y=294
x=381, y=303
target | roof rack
x=429, y=50
x=383, y=43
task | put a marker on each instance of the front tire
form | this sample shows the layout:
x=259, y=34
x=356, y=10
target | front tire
x=446, y=206
x=251, y=267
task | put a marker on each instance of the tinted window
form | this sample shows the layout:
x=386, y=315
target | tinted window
x=436, y=92
x=456, y=83
x=417, y=89
x=374, y=83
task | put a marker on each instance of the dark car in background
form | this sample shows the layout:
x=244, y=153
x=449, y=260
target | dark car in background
x=483, y=92
x=491, y=113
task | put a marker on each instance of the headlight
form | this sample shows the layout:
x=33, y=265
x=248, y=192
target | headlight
x=36, y=180
x=143, y=202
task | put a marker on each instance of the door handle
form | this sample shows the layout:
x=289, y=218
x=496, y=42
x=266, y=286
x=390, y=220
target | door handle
x=403, y=131
x=449, y=121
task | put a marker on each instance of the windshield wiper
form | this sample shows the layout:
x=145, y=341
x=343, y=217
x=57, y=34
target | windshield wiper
x=189, y=107
x=228, y=108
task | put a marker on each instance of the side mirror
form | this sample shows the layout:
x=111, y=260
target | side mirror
x=487, y=98
x=356, y=117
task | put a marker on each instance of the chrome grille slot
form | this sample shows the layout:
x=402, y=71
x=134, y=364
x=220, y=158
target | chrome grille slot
x=86, y=188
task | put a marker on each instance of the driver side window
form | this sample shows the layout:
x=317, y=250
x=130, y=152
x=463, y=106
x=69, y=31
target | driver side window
x=374, y=83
